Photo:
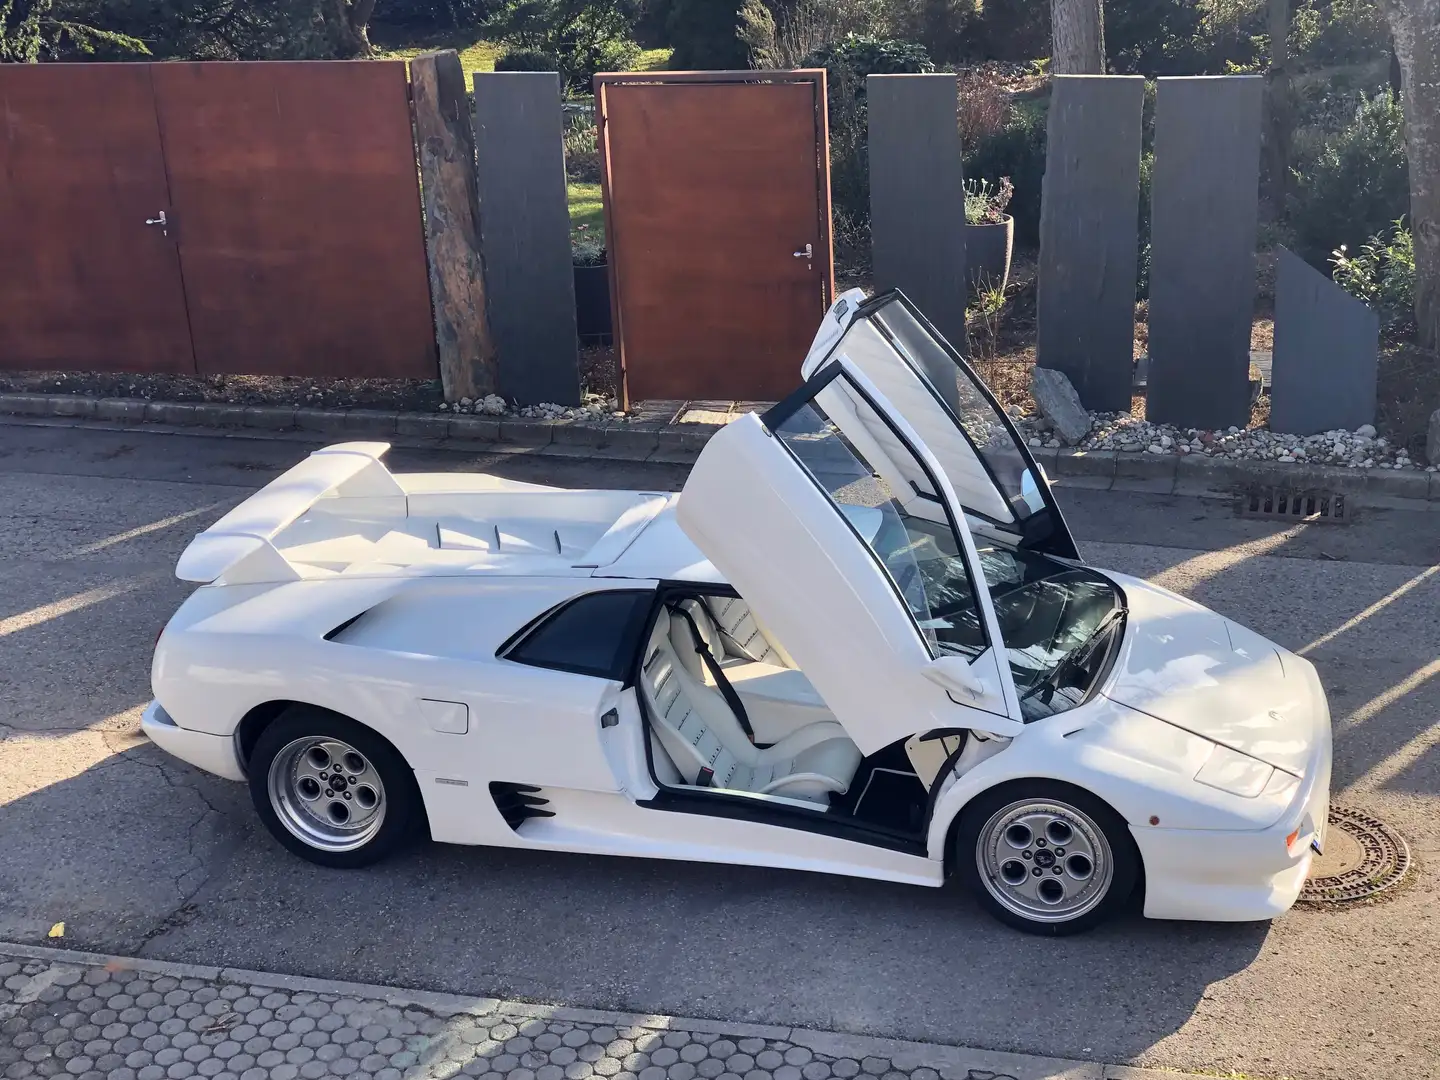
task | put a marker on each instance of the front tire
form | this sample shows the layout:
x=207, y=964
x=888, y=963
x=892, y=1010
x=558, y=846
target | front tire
x=331, y=790
x=1046, y=857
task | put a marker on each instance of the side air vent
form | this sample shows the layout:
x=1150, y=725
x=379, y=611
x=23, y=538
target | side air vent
x=518, y=803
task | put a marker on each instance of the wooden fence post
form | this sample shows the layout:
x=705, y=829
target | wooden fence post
x=1089, y=220
x=446, y=141
x=917, y=195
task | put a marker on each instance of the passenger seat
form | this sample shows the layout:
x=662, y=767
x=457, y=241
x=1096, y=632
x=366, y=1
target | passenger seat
x=698, y=730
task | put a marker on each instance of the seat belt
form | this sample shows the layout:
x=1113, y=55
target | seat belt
x=727, y=691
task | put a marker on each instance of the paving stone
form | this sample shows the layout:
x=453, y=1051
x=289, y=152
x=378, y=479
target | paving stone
x=845, y=1067
x=710, y=1068
x=740, y=1063
x=769, y=1059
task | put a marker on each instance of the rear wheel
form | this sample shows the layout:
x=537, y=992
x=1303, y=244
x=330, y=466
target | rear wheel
x=1046, y=857
x=331, y=790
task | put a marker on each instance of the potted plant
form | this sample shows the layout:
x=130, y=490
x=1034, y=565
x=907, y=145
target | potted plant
x=989, y=234
x=592, y=287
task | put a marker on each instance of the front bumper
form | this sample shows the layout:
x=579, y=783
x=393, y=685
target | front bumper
x=213, y=753
x=1241, y=876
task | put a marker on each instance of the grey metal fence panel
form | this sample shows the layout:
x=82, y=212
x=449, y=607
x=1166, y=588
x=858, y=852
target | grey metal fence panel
x=1204, y=207
x=525, y=235
x=1089, y=222
x=1327, y=347
x=917, y=201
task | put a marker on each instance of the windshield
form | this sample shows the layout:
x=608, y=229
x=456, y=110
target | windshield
x=1047, y=613
x=897, y=513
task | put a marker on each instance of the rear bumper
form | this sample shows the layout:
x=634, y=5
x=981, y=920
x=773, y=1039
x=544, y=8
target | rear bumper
x=1234, y=876
x=213, y=753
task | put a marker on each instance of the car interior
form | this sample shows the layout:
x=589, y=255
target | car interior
x=730, y=711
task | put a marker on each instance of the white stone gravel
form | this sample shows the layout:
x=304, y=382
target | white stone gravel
x=594, y=407
x=1358, y=449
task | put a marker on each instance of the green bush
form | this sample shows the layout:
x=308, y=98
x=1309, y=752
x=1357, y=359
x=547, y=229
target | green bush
x=583, y=36
x=847, y=63
x=1382, y=273
x=1357, y=186
x=705, y=34
x=1017, y=150
x=527, y=60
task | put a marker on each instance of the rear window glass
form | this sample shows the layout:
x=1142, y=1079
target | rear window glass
x=595, y=634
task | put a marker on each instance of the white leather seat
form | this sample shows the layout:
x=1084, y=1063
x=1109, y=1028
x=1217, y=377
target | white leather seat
x=697, y=730
x=741, y=633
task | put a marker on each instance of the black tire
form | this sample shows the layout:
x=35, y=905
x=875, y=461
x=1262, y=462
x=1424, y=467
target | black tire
x=402, y=811
x=976, y=818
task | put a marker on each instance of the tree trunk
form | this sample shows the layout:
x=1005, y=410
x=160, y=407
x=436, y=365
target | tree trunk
x=1415, y=25
x=1281, y=120
x=352, y=28
x=1078, y=31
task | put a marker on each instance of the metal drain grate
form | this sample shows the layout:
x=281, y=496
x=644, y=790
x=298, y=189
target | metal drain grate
x=1363, y=856
x=1283, y=504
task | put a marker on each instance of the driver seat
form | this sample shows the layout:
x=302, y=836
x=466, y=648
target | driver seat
x=698, y=730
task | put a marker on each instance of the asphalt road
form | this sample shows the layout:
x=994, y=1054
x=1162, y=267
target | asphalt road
x=139, y=854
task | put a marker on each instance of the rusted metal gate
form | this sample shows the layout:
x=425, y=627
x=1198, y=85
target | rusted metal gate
x=291, y=239
x=717, y=216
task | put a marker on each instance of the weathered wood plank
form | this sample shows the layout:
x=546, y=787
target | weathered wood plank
x=1326, y=353
x=446, y=141
x=1089, y=222
x=917, y=195
x=525, y=235
x=1205, y=205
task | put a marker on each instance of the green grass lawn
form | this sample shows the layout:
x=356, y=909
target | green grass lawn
x=585, y=208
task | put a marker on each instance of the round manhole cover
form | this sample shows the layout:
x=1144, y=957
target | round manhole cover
x=1362, y=857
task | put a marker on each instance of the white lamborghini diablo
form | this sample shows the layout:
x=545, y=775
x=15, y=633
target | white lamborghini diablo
x=860, y=641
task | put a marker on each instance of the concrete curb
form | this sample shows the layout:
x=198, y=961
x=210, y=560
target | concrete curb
x=951, y=1062
x=664, y=442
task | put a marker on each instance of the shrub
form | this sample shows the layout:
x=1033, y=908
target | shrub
x=985, y=203
x=706, y=35
x=983, y=107
x=847, y=63
x=583, y=36
x=1382, y=273
x=582, y=150
x=1016, y=151
x=527, y=60
x=1357, y=186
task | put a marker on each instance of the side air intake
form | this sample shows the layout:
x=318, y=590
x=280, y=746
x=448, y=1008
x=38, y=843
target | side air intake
x=518, y=803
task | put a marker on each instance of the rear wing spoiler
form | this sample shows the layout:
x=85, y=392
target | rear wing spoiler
x=240, y=548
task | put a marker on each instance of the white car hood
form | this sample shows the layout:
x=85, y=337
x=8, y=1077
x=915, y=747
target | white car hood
x=1188, y=666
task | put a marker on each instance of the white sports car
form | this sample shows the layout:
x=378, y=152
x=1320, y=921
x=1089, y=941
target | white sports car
x=860, y=641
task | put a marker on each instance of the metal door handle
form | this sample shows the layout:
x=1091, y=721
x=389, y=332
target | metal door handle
x=156, y=220
x=805, y=254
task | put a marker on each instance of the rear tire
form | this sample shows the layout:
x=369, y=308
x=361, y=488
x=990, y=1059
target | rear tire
x=331, y=790
x=1046, y=857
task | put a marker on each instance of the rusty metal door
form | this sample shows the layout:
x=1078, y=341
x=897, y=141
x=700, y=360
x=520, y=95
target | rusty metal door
x=717, y=214
x=296, y=206
x=85, y=283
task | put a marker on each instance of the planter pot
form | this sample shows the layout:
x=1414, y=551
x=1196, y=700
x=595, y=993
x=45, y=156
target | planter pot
x=592, y=304
x=987, y=254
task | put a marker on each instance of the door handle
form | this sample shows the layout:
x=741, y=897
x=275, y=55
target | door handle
x=805, y=253
x=162, y=221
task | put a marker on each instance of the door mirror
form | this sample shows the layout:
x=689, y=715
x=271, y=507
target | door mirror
x=1030, y=492
x=954, y=674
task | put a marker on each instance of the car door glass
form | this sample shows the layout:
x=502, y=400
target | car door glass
x=923, y=557
x=979, y=417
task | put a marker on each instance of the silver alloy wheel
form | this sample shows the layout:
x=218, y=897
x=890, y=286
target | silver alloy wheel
x=1044, y=860
x=327, y=793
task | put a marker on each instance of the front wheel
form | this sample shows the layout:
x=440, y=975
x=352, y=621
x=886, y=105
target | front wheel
x=331, y=790
x=1046, y=857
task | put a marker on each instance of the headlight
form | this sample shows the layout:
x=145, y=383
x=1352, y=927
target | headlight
x=1239, y=774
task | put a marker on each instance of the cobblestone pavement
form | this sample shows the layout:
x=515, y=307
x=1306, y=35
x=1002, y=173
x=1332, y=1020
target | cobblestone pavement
x=107, y=1018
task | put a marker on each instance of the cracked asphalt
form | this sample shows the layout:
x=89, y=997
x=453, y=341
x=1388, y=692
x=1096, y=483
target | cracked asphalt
x=141, y=855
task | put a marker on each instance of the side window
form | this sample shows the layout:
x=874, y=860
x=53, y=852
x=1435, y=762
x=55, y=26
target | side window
x=594, y=634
